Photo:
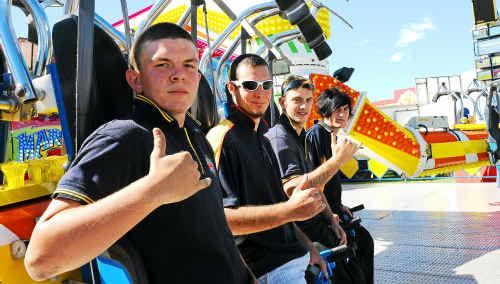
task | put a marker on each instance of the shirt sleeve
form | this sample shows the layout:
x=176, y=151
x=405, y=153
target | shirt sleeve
x=228, y=171
x=314, y=148
x=102, y=167
x=288, y=159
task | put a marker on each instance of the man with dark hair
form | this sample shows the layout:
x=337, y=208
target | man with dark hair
x=288, y=139
x=256, y=207
x=335, y=109
x=116, y=188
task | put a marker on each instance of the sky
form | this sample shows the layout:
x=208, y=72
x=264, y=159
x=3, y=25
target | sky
x=392, y=43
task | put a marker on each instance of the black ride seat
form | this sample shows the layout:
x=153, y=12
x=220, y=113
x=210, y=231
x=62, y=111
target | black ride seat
x=204, y=108
x=110, y=96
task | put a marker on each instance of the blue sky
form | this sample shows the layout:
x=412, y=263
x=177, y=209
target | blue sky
x=393, y=42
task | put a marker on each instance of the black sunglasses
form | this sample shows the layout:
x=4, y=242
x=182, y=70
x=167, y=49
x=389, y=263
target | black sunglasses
x=252, y=85
x=295, y=84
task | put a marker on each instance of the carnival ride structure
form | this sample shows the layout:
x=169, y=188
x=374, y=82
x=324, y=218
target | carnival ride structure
x=47, y=111
x=37, y=141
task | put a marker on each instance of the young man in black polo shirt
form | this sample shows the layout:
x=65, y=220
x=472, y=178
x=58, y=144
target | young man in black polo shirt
x=255, y=204
x=335, y=108
x=288, y=139
x=114, y=187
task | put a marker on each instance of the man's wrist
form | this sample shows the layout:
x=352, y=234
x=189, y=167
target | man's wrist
x=148, y=186
x=285, y=212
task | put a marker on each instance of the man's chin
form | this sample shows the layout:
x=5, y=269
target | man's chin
x=339, y=126
x=301, y=120
x=176, y=109
x=256, y=114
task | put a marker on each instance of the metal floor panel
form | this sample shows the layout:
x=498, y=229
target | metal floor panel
x=424, y=246
x=397, y=277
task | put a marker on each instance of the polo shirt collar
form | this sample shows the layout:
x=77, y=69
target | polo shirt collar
x=323, y=125
x=240, y=117
x=287, y=124
x=146, y=106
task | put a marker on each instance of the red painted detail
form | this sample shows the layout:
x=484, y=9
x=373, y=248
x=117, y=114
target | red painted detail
x=21, y=219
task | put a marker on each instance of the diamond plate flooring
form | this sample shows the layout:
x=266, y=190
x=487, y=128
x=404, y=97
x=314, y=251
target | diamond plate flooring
x=432, y=233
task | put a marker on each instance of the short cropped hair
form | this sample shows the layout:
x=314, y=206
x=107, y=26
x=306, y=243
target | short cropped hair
x=293, y=82
x=156, y=32
x=248, y=59
x=332, y=99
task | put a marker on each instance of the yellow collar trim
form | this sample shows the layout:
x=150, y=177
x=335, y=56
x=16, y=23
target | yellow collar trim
x=194, y=119
x=163, y=113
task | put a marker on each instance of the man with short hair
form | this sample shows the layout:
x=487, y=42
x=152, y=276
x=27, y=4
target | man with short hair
x=115, y=188
x=256, y=207
x=335, y=108
x=288, y=139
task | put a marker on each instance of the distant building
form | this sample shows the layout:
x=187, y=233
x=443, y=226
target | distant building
x=419, y=100
x=29, y=51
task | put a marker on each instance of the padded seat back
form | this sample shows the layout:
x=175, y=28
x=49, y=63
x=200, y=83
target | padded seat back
x=110, y=97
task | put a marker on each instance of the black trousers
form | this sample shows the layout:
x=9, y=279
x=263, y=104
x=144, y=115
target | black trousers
x=365, y=252
x=363, y=241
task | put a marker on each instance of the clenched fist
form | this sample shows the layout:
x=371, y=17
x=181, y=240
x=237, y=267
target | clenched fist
x=305, y=204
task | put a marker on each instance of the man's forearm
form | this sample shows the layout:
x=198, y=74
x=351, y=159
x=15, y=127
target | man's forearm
x=303, y=237
x=253, y=219
x=322, y=174
x=65, y=239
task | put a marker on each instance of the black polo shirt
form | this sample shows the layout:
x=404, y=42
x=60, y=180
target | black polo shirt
x=183, y=242
x=319, y=140
x=249, y=174
x=291, y=151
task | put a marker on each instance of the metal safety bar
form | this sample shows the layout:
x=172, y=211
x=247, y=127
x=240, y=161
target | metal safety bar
x=219, y=89
x=13, y=55
x=236, y=22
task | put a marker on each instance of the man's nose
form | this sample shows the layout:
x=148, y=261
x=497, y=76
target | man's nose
x=260, y=91
x=178, y=74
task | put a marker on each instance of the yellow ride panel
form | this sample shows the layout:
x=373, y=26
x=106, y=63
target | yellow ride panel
x=12, y=271
x=218, y=21
x=449, y=169
x=350, y=168
x=377, y=168
x=459, y=148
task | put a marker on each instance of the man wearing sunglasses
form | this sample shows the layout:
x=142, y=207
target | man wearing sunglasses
x=322, y=141
x=256, y=207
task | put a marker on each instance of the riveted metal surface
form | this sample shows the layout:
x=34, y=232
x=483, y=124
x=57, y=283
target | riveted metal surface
x=395, y=277
x=428, y=247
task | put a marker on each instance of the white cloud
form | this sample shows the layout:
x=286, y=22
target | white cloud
x=396, y=57
x=413, y=32
x=426, y=24
x=364, y=42
x=407, y=36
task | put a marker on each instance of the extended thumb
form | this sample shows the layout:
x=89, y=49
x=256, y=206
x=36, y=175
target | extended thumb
x=160, y=143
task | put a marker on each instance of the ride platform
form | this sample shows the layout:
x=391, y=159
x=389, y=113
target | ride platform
x=430, y=232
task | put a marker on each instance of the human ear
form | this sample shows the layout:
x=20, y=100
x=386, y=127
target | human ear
x=134, y=80
x=282, y=102
x=231, y=87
